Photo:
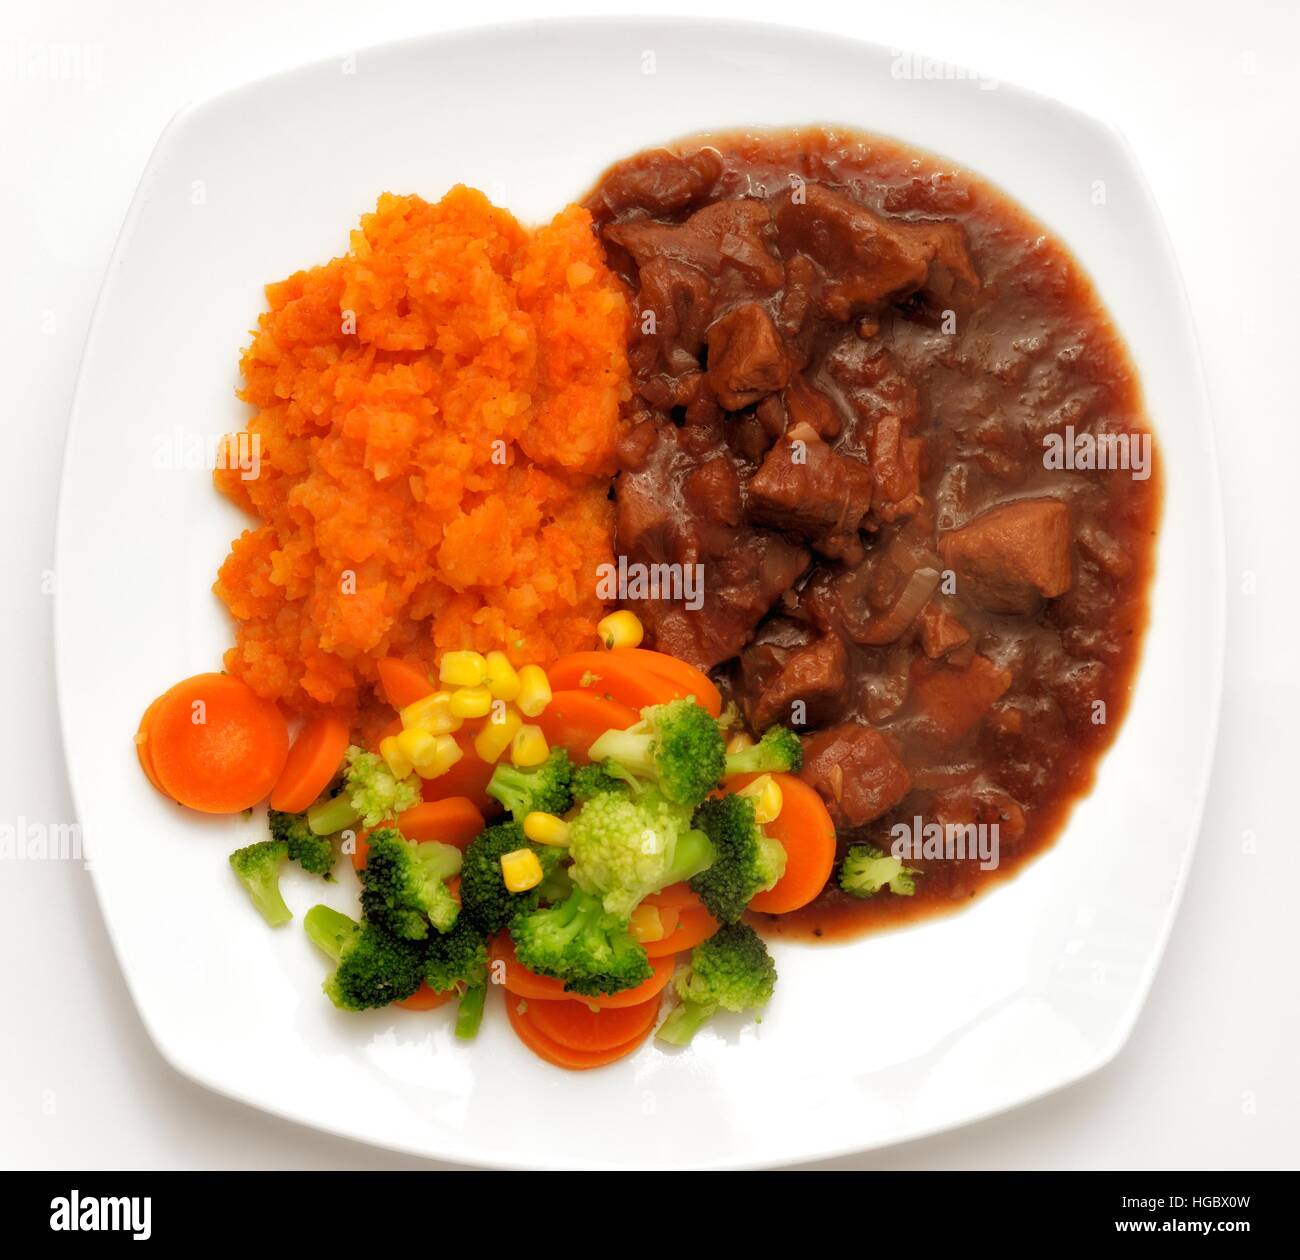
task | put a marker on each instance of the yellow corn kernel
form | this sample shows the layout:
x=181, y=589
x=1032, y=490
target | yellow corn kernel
x=646, y=924
x=765, y=792
x=534, y=690
x=521, y=870
x=431, y=713
x=529, y=747
x=471, y=702
x=496, y=734
x=620, y=629
x=394, y=758
x=445, y=754
x=502, y=680
x=418, y=747
x=738, y=741
x=463, y=669
x=546, y=829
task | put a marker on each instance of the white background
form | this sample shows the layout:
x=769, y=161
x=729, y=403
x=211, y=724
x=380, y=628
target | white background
x=1208, y=96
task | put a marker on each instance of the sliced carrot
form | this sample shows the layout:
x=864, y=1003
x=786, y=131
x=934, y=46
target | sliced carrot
x=426, y=999
x=452, y=820
x=142, y=749
x=613, y=675
x=403, y=683
x=687, y=680
x=215, y=745
x=468, y=777
x=575, y=719
x=808, y=834
x=693, y=926
x=561, y=1056
x=575, y=1026
x=313, y=761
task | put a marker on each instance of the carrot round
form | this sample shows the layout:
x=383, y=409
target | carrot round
x=313, y=761
x=693, y=926
x=528, y=984
x=142, y=749
x=425, y=998
x=575, y=1026
x=561, y=1056
x=677, y=897
x=687, y=680
x=452, y=820
x=575, y=719
x=215, y=745
x=808, y=834
x=402, y=682
x=613, y=675
x=468, y=777
x=658, y=981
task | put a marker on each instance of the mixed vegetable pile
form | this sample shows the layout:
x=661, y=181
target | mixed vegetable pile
x=632, y=827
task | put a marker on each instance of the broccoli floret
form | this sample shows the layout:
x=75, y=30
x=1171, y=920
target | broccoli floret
x=373, y=967
x=483, y=892
x=748, y=861
x=543, y=790
x=676, y=745
x=778, y=752
x=402, y=884
x=258, y=867
x=591, y=780
x=626, y=847
x=731, y=971
x=866, y=870
x=579, y=942
x=370, y=794
x=315, y=854
x=456, y=959
x=469, y=1011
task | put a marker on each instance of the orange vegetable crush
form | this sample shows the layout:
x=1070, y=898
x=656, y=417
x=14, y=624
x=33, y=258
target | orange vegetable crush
x=436, y=417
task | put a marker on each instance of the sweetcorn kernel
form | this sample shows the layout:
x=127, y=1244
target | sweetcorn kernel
x=646, y=924
x=496, y=734
x=521, y=870
x=463, y=669
x=471, y=702
x=546, y=829
x=502, y=680
x=529, y=747
x=534, y=690
x=765, y=792
x=432, y=713
x=394, y=758
x=621, y=629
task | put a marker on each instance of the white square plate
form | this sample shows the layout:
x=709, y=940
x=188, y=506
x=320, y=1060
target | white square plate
x=895, y=1036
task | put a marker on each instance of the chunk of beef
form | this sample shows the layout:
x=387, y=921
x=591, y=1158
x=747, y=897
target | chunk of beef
x=856, y=772
x=940, y=630
x=809, y=488
x=864, y=258
x=713, y=490
x=682, y=301
x=660, y=181
x=951, y=702
x=745, y=573
x=1010, y=558
x=776, y=679
x=726, y=234
x=806, y=404
x=896, y=463
x=746, y=357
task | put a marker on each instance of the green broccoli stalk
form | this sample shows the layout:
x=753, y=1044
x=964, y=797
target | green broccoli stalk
x=315, y=854
x=484, y=896
x=778, y=752
x=544, y=789
x=626, y=847
x=579, y=942
x=457, y=960
x=866, y=870
x=591, y=780
x=258, y=867
x=748, y=860
x=676, y=746
x=372, y=967
x=730, y=971
x=370, y=794
x=402, y=884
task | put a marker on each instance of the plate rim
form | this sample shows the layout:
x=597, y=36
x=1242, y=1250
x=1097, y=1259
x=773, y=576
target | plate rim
x=1140, y=989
